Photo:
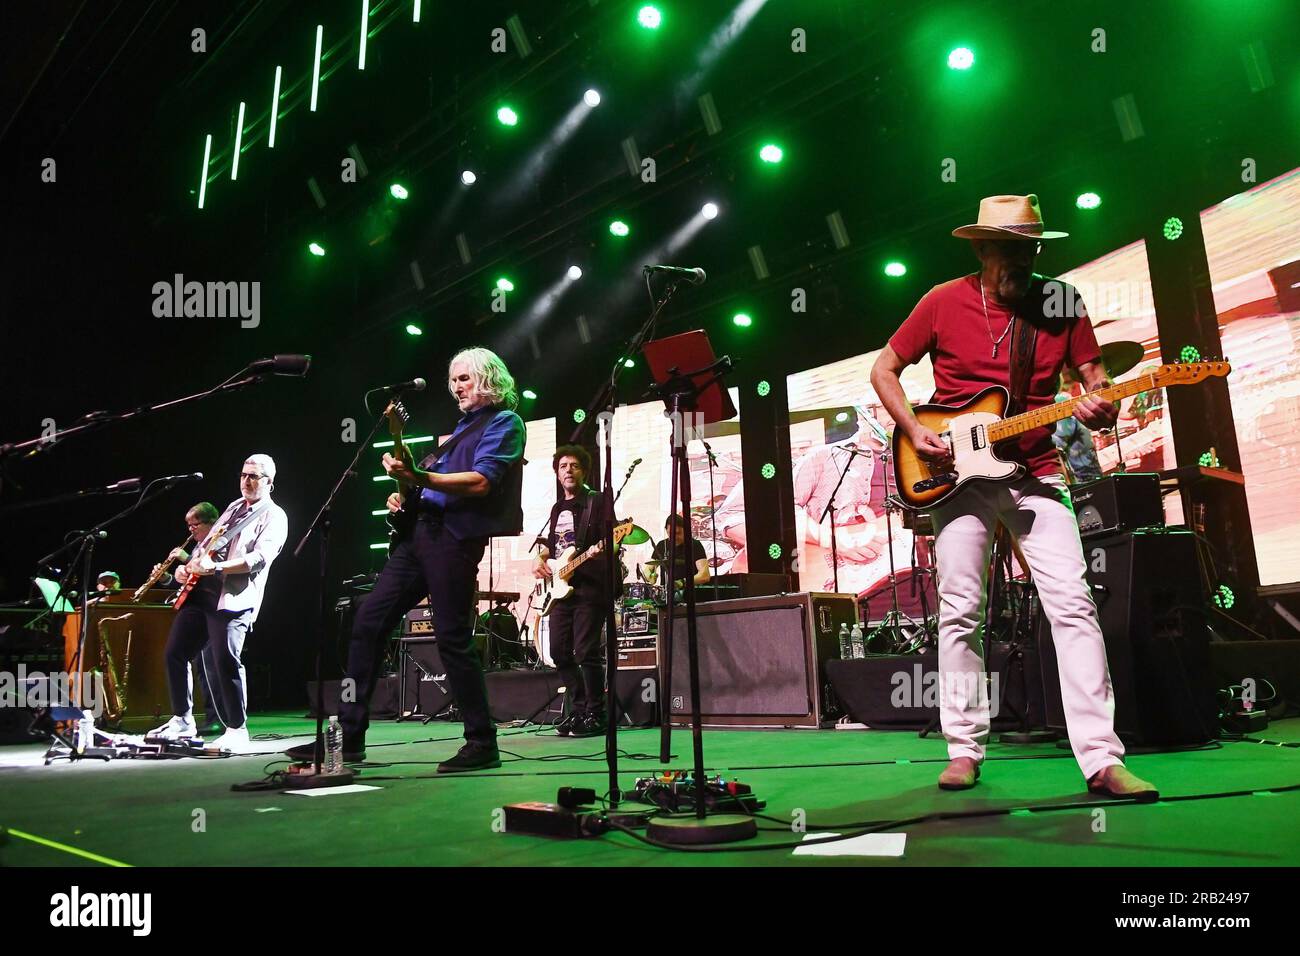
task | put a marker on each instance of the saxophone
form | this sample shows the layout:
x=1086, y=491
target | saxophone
x=160, y=570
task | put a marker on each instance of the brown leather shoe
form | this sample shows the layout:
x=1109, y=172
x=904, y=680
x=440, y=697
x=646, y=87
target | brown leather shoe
x=1118, y=781
x=960, y=774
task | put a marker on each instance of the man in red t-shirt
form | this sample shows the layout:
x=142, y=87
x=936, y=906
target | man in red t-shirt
x=966, y=327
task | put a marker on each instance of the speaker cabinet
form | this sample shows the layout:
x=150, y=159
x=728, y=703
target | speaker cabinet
x=1147, y=587
x=424, y=691
x=762, y=660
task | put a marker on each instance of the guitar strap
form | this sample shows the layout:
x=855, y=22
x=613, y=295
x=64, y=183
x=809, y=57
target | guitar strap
x=472, y=431
x=1023, y=339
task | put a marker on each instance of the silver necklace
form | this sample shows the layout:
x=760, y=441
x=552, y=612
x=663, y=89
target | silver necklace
x=989, y=325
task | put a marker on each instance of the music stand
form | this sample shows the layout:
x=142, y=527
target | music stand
x=695, y=397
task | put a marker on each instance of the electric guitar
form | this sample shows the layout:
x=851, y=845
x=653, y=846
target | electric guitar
x=402, y=521
x=216, y=537
x=972, y=430
x=563, y=565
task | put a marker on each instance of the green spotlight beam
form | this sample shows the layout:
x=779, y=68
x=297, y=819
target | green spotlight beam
x=365, y=28
x=275, y=110
x=239, y=139
x=315, y=69
x=203, y=182
x=415, y=16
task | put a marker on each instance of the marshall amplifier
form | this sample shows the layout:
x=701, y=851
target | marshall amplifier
x=762, y=660
x=1118, y=502
x=637, y=622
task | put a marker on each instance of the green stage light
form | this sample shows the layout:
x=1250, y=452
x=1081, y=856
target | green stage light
x=579, y=415
x=529, y=394
x=771, y=153
x=316, y=249
x=962, y=58
x=619, y=228
x=1208, y=459
x=505, y=285
x=365, y=29
x=507, y=117
x=1088, y=201
x=1189, y=354
x=275, y=110
x=742, y=320
x=315, y=68
x=239, y=141
x=203, y=183
x=628, y=363
x=764, y=388
x=414, y=330
x=1173, y=228
x=1224, y=598
x=895, y=269
x=398, y=191
x=768, y=470
x=842, y=417
x=774, y=551
x=380, y=546
x=649, y=17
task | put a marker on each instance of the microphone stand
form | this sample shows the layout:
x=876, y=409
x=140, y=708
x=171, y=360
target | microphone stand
x=605, y=402
x=321, y=523
x=713, y=517
x=830, y=510
x=94, y=420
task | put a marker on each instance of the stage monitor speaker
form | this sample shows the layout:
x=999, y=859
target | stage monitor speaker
x=1148, y=594
x=762, y=660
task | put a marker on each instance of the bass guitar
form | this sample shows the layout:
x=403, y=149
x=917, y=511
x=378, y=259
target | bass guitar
x=973, y=429
x=557, y=588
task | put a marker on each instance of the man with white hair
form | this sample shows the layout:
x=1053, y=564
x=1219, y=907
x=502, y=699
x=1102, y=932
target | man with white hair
x=229, y=569
x=470, y=491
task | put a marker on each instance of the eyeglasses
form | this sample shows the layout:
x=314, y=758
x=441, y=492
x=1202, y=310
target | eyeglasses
x=1011, y=248
x=252, y=477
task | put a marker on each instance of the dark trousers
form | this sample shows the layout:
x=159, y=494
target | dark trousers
x=577, y=650
x=217, y=637
x=430, y=562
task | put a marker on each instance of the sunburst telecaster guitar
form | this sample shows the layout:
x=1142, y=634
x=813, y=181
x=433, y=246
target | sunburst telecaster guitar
x=972, y=430
x=562, y=567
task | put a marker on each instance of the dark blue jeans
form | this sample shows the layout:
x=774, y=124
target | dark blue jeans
x=431, y=561
x=217, y=638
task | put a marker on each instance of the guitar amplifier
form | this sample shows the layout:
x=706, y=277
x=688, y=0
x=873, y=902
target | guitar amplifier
x=762, y=660
x=418, y=622
x=638, y=653
x=1118, y=502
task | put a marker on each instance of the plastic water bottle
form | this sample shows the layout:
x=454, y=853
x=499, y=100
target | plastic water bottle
x=85, y=732
x=846, y=645
x=333, y=747
x=855, y=636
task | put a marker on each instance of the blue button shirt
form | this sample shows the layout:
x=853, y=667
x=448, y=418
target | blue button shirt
x=495, y=455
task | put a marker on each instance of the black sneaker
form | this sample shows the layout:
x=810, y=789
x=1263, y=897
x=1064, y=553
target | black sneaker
x=590, y=725
x=472, y=757
x=353, y=750
x=564, y=726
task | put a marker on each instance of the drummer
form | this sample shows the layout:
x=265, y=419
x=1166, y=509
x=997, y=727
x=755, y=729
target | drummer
x=698, y=558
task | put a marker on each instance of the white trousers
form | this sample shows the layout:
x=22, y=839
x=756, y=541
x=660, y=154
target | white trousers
x=1037, y=511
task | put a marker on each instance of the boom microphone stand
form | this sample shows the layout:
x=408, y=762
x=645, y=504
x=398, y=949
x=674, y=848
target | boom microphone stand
x=321, y=523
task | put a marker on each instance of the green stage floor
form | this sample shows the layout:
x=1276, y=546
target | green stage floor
x=146, y=813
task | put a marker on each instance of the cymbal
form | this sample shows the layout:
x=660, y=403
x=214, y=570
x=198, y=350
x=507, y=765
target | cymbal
x=652, y=561
x=638, y=535
x=1118, y=357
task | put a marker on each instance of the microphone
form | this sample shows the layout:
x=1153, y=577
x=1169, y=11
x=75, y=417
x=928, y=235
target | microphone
x=414, y=385
x=124, y=487
x=193, y=476
x=708, y=450
x=295, y=365
x=693, y=276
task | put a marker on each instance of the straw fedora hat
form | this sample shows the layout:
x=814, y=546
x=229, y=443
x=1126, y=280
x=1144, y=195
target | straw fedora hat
x=1008, y=217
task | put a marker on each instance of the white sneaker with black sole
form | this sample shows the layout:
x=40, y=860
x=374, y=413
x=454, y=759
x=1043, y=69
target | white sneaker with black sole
x=174, y=729
x=235, y=739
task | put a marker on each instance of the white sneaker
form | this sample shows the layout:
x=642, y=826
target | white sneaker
x=174, y=729
x=235, y=739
